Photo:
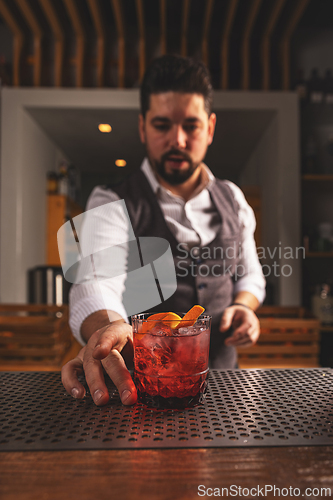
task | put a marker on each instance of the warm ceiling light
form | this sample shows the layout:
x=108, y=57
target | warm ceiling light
x=121, y=163
x=104, y=127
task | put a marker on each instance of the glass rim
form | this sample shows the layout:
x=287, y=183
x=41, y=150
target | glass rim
x=141, y=318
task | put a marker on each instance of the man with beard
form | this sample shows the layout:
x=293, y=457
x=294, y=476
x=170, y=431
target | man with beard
x=175, y=196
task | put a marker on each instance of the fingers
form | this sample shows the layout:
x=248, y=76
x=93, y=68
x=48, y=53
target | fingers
x=246, y=324
x=115, y=366
x=226, y=320
x=69, y=373
x=111, y=337
x=103, y=350
x=94, y=376
x=244, y=336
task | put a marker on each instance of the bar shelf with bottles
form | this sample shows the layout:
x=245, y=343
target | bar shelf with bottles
x=316, y=112
x=316, y=124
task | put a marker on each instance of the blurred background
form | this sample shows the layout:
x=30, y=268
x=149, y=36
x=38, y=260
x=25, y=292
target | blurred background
x=70, y=72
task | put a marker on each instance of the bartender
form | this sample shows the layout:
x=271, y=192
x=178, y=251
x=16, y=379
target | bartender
x=173, y=195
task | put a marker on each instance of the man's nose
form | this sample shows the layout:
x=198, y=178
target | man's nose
x=178, y=137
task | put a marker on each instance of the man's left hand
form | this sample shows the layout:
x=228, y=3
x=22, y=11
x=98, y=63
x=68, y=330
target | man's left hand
x=245, y=324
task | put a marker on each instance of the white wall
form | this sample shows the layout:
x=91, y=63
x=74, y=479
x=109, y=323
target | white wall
x=27, y=154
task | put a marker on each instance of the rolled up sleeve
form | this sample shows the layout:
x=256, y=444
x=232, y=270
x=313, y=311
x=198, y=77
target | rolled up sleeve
x=99, y=294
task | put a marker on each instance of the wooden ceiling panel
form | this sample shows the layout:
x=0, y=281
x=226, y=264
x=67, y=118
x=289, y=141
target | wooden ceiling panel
x=36, y=29
x=142, y=37
x=80, y=37
x=96, y=14
x=226, y=42
x=163, y=27
x=285, y=41
x=245, y=51
x=138, y=30
x=120, y=23
x=59, y=39
x=185, y=20
x=18, y=40
x=206, y=30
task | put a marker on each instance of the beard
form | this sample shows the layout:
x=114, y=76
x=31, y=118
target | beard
x=177, y=175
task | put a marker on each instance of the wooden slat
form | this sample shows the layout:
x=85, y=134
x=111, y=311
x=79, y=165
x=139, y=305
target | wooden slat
x=317, y=177
x=294, y=362
x=163, y=27
x=37, y=36
x=168, y=474
x=281, y=311
x=266, y=43
x=142, y=38
x=185, y=19
x=46, y=336
x=207, y=21
x=225, y=43
x=289, y=324
x=33, y=352
x=41, y=331
x=25, y=326
x=281, y=349
x=12, y=325
x=271, y=338
x=35, y=308
x=80, y=39
x=285, y=42
x=18, y=40
x=99, y=27
x=245, y=51
x=43, y=364
x=52, y=346
x=59, y=40
x=121, y=41
x=29, y=339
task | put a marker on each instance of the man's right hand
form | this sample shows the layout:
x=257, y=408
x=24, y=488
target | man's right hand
x=103, y=350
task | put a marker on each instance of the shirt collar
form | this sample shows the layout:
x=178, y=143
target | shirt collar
x=206, y=182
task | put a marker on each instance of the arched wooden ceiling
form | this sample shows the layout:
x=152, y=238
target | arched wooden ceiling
x=95, y=43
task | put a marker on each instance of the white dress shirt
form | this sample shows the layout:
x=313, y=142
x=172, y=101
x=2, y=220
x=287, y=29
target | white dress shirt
x=194, y=222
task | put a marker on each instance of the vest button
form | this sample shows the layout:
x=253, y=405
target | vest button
x=195, y=252
x=202, y=285
x=198, y=261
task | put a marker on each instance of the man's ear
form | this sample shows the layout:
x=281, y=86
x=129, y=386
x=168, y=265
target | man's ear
x=142, y=133
x=211, y=127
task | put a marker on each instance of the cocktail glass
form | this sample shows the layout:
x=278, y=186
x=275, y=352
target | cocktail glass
x=170, y=364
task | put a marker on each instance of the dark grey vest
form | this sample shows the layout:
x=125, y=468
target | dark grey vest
x=205, y=278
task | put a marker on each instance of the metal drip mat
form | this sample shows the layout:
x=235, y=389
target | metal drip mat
x=243, y=408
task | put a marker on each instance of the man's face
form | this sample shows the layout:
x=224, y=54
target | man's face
x=176, y=132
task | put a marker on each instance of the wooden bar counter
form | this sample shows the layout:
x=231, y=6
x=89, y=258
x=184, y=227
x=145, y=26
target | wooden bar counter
x=165, y=474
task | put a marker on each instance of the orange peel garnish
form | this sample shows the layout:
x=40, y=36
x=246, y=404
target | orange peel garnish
x=172, y=320
x=191, y=316
x=151, y=321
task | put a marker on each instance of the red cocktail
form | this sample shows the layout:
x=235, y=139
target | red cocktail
x=170, y=364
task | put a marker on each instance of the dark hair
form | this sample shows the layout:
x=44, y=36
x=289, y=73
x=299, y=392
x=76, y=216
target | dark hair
x=178, y=74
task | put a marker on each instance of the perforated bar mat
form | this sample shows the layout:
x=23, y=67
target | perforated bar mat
x=243, y=408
